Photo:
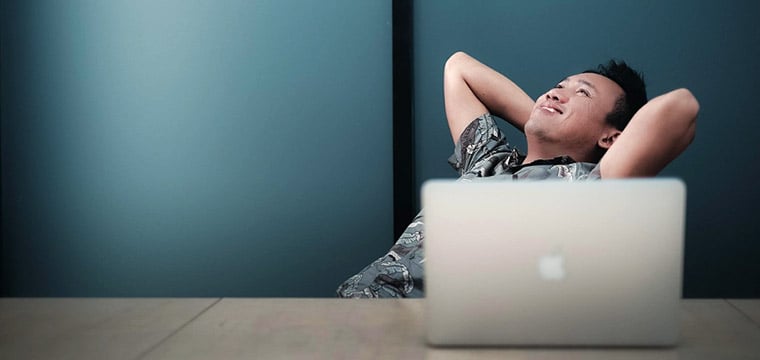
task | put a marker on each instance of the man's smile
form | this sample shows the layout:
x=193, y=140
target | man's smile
x=551, y=108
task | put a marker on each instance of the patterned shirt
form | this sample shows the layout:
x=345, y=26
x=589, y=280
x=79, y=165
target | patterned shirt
x=481, y=154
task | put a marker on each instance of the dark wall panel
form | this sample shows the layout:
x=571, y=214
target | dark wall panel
x=710, y=47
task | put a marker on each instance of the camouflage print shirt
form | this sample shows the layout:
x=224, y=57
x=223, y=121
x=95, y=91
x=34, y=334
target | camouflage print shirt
x=481, y=154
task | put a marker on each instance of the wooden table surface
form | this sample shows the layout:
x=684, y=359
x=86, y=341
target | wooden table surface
x=296, y=328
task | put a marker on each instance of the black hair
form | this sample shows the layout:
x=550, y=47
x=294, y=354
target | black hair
x=634, y=88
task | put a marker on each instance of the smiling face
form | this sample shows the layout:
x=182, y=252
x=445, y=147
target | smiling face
x=570, y=119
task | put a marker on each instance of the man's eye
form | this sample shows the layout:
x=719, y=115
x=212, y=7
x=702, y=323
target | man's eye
x=584, y=92
x=558, y=86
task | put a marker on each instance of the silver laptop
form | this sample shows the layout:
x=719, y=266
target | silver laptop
x=553, y=263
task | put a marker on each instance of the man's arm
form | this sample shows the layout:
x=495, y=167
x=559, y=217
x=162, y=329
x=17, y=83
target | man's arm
x=656, y=135
x=472, y=89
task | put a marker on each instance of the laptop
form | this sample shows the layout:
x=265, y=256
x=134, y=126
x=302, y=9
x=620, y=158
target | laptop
x=552, y=263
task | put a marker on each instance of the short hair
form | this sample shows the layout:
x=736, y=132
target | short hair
x=634, y=89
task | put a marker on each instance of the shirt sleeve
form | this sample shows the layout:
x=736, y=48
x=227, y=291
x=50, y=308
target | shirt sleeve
x=397, y=274
x=481, y=148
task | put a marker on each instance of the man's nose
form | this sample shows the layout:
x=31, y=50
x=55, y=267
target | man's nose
x=556, y=95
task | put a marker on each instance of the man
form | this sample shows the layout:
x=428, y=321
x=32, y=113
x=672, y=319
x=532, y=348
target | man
x=593, y=125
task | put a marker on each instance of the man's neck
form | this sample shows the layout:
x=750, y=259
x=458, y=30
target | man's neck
x=547, y=152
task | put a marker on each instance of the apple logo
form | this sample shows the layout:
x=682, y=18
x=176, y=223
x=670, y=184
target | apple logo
x=552, y=267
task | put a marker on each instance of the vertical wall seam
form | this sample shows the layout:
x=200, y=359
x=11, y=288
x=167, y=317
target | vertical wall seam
x=403, y=116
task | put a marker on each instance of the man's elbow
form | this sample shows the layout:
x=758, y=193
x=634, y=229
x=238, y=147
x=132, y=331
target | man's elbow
x=686, y=106
x=454, y=62
x=687, y=102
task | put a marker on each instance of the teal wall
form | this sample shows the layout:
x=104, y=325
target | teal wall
x=194, y=148
x=243, y=148
x=710, y=47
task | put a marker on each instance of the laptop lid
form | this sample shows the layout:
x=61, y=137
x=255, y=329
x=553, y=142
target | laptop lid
x=553, y=263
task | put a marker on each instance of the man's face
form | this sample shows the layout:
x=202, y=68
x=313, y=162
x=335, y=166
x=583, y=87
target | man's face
x=573, y=113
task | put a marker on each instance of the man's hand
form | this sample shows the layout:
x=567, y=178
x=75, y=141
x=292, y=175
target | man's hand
x=656, y=135
x=472, y=89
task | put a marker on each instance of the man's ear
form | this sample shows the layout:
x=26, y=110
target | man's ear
x=608, y=138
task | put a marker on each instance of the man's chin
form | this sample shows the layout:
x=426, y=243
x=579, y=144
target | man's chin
x=541, y=120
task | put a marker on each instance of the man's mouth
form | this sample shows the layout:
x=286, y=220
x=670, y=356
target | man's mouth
x=551, y=109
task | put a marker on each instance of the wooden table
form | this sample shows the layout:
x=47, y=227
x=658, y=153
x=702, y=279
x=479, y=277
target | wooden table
x=289, y=328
